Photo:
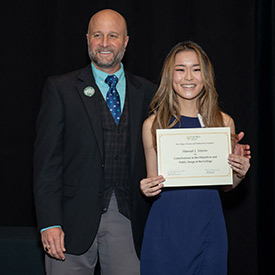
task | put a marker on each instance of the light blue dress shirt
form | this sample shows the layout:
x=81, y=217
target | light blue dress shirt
x=104, y=87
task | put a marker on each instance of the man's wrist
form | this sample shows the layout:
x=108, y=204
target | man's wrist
x=46, y=228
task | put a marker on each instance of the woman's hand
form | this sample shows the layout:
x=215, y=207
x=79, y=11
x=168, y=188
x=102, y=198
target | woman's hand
x=151, y=186
x=239, y=164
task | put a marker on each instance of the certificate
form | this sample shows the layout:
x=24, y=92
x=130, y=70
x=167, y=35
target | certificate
x=194, y=156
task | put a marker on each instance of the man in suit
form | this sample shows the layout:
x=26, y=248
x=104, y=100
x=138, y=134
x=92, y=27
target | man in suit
x=89, y=160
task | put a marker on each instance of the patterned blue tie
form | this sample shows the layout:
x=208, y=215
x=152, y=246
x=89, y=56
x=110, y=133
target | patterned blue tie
x=112, y=99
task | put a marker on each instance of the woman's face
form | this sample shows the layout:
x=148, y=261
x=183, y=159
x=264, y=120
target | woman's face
x=187, y=77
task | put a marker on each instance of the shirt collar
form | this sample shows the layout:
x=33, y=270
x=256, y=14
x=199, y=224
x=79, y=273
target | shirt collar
x=100, y=76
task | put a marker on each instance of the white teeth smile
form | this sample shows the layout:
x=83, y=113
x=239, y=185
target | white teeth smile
x=188, y=86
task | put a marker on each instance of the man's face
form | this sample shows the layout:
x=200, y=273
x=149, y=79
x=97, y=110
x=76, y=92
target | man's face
x=107, y=41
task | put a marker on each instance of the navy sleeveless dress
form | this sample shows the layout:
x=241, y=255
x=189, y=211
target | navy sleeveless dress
x=185, y=232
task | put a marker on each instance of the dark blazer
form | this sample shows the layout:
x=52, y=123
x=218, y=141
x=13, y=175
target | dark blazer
x=69, y=157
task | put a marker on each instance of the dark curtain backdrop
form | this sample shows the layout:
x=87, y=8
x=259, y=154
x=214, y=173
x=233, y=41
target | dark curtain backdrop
x=42, y=38
x=265, y=87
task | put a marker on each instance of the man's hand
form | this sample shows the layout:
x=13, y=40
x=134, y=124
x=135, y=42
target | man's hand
x=53, y=242
x=239, y=161
x=242, y=149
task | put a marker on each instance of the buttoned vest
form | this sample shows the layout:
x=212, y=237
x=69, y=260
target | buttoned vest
x=116, y=157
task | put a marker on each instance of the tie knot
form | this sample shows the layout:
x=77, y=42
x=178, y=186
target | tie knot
x=111, y=80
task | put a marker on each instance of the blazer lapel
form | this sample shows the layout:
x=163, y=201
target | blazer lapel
x=136, y=96
x=91, y=103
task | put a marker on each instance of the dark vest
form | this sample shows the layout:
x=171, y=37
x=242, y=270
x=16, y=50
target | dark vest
x=116, y=157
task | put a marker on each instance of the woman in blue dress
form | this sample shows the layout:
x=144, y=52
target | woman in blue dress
x=185, y=233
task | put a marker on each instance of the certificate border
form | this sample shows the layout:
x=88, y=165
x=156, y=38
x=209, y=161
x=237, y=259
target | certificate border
x=194, y=131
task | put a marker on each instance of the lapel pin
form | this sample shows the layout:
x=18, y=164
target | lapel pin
x=89, y=91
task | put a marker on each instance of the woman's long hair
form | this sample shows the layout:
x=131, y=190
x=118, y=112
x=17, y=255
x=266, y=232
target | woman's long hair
x=165, y=103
